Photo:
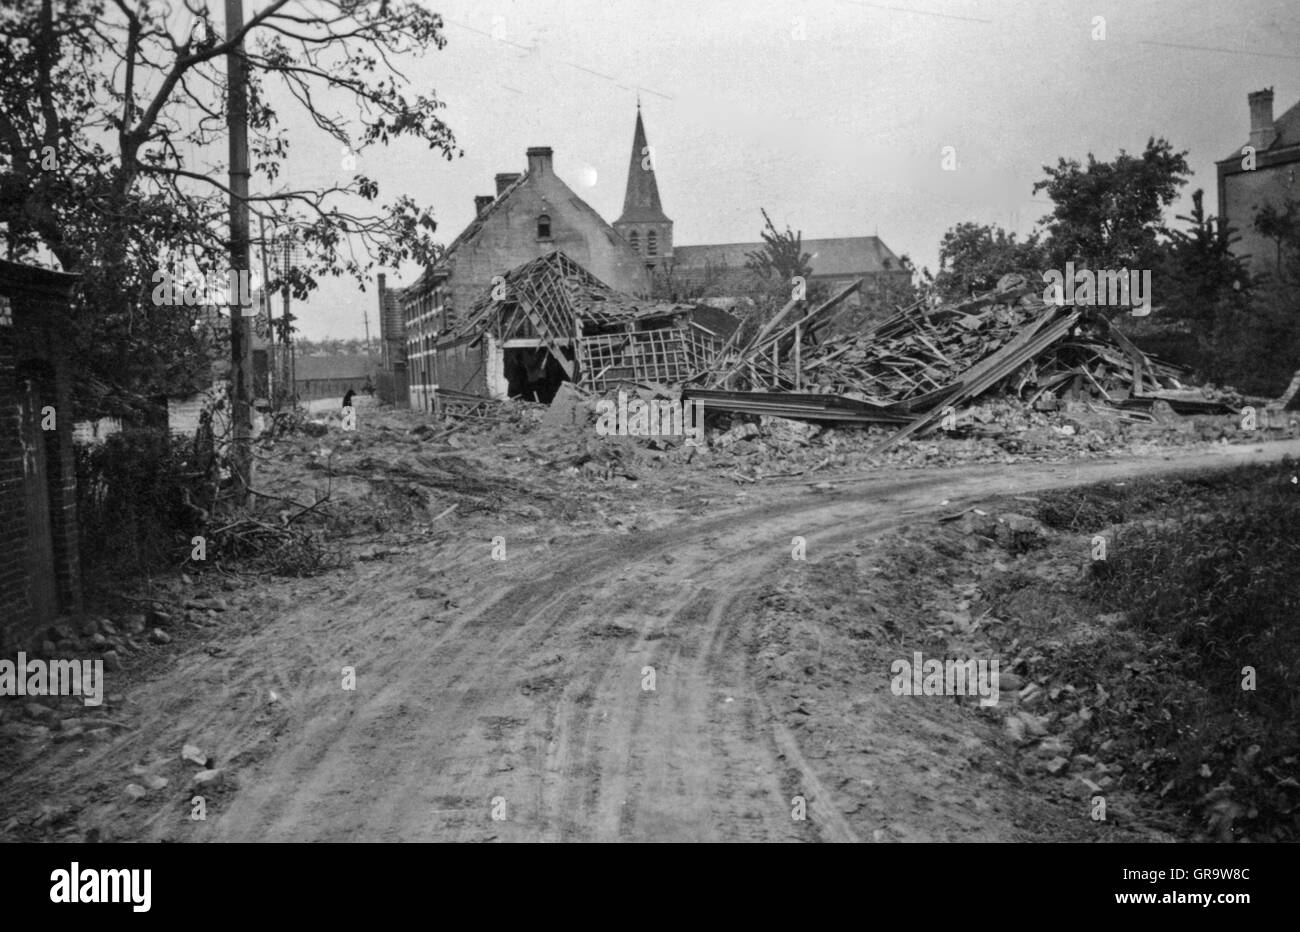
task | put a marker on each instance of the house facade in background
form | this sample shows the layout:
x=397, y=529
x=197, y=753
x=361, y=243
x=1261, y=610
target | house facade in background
x=316, y=377
x=532, y=215
x=40, y=566
x=390, y=383
x=1274, y=179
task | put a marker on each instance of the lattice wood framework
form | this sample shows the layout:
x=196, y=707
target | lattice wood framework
x=612, y=337
x=667, y=355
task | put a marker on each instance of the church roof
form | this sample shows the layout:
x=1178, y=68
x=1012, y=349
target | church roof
x=641, y=202
x=845, y=255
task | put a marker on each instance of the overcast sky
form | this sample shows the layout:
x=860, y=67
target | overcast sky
x=832, y=114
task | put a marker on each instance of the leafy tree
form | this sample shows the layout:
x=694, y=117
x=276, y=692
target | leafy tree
x=1282, y=226
x=782, y=253
x=973, y=256
x=112, y=149
x=1199, y=273
x=1108, y=215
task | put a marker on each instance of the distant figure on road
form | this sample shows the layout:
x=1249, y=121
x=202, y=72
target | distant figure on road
x=347, y=399
x=369, y=387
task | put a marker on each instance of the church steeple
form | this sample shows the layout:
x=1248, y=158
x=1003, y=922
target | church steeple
x=643, y=222
x=641, y=202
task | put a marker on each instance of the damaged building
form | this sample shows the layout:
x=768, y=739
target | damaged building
x=551, y=321
x=532, y=215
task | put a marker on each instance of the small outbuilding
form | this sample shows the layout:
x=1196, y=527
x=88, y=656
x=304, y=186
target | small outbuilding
x=40, y=570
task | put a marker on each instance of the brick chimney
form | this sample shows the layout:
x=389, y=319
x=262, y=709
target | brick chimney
x=505, y=180
x=381, y=282
x=539, y=160
x=481, y=203
x=1262, y=130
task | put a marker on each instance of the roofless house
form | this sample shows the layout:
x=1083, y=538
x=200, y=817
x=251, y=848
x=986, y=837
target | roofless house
x=549, y=321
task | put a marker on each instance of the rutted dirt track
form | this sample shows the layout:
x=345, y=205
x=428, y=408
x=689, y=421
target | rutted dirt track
x=519, y=686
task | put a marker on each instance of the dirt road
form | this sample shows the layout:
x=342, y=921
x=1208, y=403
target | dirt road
x=581, y=689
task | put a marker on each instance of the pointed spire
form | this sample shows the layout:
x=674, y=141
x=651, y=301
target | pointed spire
x=641, y=202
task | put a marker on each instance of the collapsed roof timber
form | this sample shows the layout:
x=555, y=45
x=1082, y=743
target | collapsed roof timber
x=550, y=321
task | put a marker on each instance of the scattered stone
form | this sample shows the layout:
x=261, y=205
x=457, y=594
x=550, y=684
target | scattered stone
x=112, y=661
x=1056, y=765
x=159, y=619
x=136, y=791
x=42, y=713
x=208, y=778
x=1085, y=787
x=1035, y=725
x=1053, y=747
x=107, y=628
x=1081, y=762
x=159, y=636
x=1016, y=532
x=191, y=753
x=155, y=782
x=1015, y=727
x=99, y=642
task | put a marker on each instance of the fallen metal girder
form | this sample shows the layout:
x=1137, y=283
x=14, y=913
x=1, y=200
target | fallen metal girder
x=798, y=406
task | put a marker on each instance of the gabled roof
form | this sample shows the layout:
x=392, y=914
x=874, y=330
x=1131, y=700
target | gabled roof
x=1287, y=129
x=850, y=255
x=559, y=290
x=471, y=231
x=442, y=266
x=641, y=200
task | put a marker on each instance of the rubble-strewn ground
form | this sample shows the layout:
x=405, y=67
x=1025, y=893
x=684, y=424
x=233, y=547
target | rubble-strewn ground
x=521, y=687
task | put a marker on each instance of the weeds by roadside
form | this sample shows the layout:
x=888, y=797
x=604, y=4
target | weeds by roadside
x=1212, y=592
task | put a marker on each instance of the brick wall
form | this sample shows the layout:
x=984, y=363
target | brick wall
x=32, y=348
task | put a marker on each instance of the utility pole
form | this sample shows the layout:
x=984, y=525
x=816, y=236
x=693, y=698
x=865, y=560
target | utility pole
x=240, y=345
x=275, y=389
x=290, y=364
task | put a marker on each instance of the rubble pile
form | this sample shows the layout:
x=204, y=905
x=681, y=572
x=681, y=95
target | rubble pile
x=915, y=367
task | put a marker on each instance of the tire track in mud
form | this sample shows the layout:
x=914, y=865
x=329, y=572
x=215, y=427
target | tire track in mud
x=579, y=750
x=530, y=688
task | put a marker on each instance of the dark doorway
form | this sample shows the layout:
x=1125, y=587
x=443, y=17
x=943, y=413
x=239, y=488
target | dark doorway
x=40, y=545
x=532, y=373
